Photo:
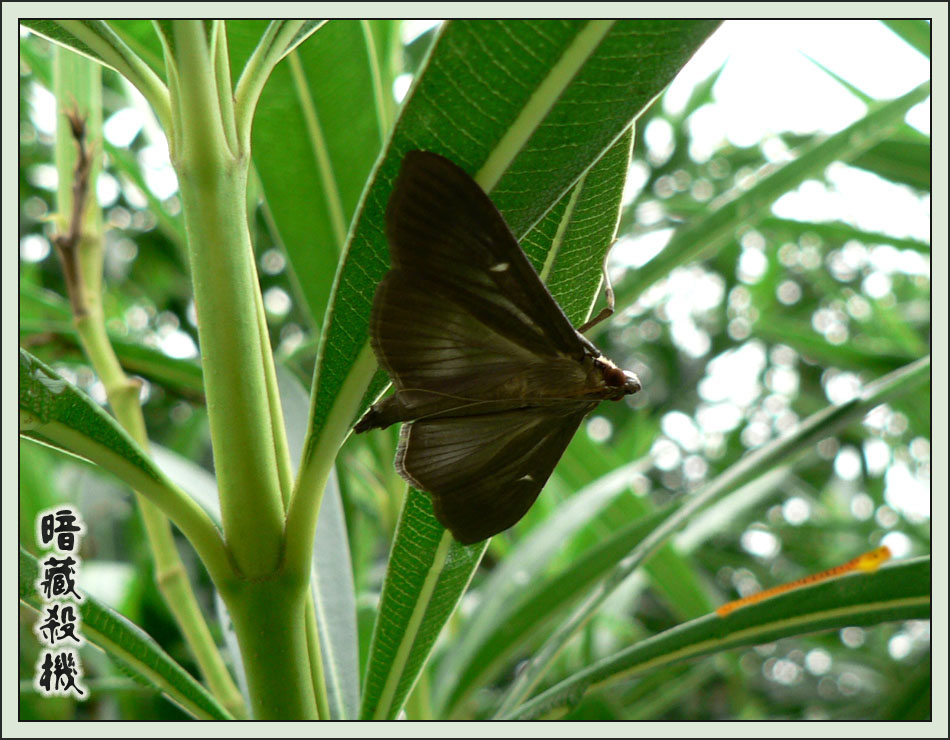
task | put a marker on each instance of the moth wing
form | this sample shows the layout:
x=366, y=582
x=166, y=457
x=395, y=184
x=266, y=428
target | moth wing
x=441, y=354
x=444, y=231
x=484, y=472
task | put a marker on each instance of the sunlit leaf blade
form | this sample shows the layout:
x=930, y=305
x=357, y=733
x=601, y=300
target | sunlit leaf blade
x=836, y=233
x=903, y=157
x=569, y=244
x=914, y=31
x=899, y=159
x=897, y=592
x=854, y=355
x=704, y=236
x=127, y=644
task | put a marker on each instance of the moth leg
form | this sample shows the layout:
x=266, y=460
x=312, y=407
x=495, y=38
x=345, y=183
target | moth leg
x=607, y=310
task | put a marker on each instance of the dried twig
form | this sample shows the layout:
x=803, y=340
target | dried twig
x=67, y=244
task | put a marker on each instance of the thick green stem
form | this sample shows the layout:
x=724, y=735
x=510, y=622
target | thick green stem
x=268, y=604
x=213, y=184
x=269, y=620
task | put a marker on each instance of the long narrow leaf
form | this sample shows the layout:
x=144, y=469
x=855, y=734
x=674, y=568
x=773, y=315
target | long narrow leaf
x=915, y=32
x=900, y=591
x=55, y=413
x=135, y=650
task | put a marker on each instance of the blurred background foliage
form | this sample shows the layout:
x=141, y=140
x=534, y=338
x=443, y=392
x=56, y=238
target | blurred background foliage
x=733, y=350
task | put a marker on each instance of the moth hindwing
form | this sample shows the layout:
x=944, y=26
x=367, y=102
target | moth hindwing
x=491, y=379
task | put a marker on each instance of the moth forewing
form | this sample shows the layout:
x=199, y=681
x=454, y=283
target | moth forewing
x=491, y=379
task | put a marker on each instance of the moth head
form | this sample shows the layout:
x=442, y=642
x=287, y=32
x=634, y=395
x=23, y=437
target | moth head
x=623, y=381
x=631, y=383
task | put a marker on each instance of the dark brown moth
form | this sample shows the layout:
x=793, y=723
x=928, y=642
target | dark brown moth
x=491, y=379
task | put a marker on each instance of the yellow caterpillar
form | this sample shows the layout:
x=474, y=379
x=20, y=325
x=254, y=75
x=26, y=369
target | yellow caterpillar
x=868, y=563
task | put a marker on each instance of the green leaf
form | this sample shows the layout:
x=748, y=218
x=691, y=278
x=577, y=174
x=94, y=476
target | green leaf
x=899, y=159
x=55, y=413
x=854, y=355
x=315, y=139
x=130, y=646
x=896, y=592
x=914, y=32
x=903, y=157
x=568, y=246
x=427, y=575
x=837, y=233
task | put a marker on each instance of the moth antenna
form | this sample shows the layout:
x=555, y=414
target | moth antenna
x=607, y=311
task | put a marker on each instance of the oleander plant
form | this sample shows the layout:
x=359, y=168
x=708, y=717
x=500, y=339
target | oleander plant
x=202, y=230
